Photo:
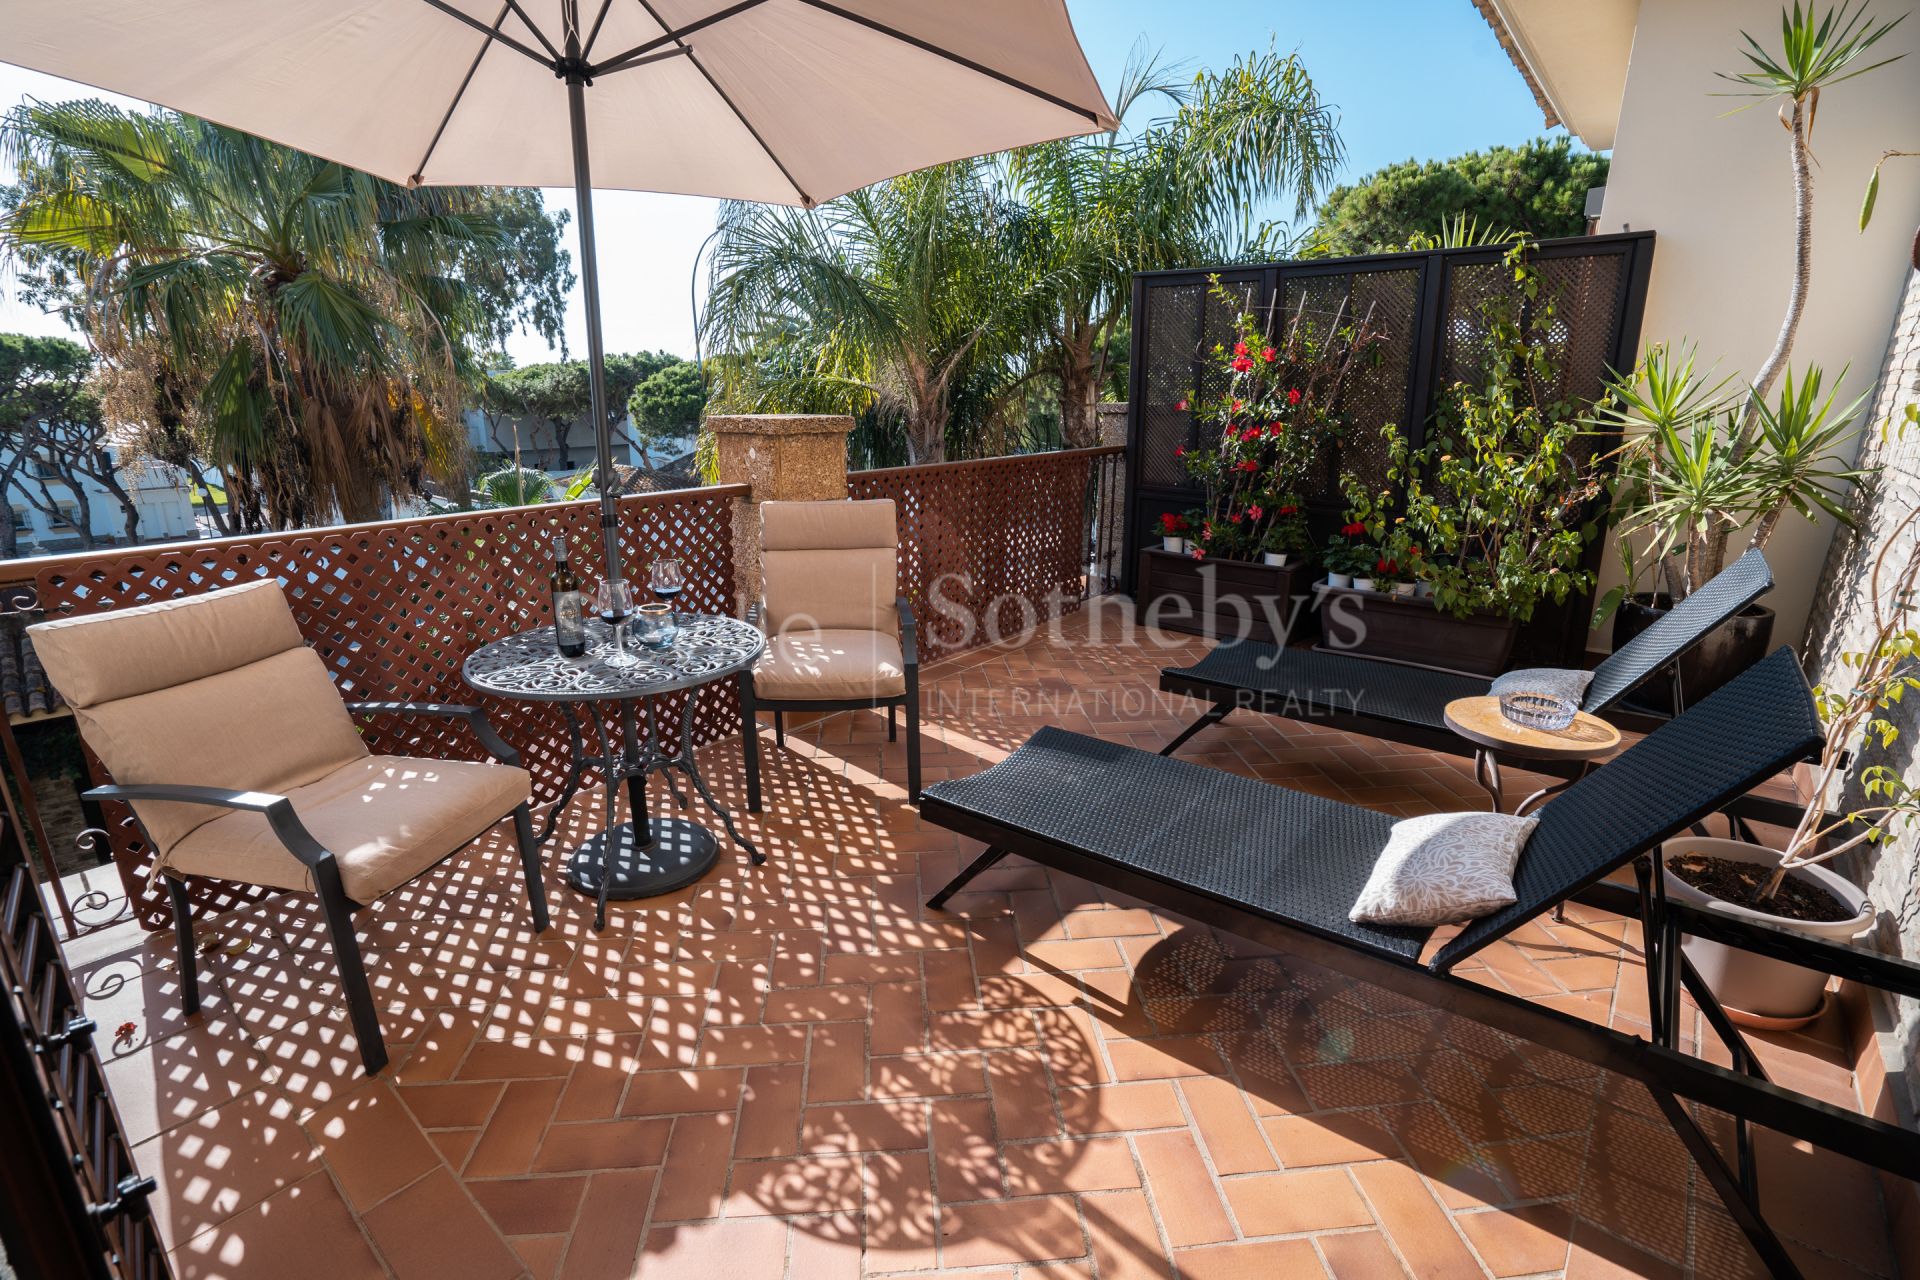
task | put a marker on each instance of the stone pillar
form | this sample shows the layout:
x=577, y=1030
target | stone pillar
x=783, y=457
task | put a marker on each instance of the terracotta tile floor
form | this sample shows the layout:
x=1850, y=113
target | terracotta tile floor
x=797, y=1071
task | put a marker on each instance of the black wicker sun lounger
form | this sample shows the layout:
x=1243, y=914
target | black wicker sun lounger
x=1408, y=704
x=1283, y=868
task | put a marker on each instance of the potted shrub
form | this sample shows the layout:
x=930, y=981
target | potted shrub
x=1173, y=531
x=1497, y=505
x=1701, y=462
x=1287, y=541
x=1856, y=801
x=1347, y=553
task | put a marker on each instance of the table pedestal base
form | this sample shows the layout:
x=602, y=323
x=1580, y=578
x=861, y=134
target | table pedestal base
x=674, y=854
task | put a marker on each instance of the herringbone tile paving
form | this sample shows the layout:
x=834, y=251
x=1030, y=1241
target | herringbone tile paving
x=797, y=1071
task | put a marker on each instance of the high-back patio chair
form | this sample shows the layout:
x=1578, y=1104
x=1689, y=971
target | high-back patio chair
x=223, y=731
x=839, y=635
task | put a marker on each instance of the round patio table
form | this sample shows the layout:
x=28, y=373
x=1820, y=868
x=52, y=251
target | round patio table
x=1480, y=722
x=647, y=855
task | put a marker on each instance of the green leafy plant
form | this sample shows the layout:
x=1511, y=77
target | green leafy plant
x=1288, y=534
x=515, y=487
x=1497, y=504
x=1857, y=720
x=1682, y=485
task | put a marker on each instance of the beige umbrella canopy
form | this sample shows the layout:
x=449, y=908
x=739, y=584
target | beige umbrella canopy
x=782, y=101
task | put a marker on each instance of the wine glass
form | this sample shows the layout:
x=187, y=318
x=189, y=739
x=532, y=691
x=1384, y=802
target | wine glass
x=614, y=601
x=667, y=579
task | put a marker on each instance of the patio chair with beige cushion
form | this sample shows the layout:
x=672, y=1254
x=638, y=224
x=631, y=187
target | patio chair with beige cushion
x=839, y=636
x=226, y=735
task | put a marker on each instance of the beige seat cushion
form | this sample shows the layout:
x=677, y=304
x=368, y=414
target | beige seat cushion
x=830, y=666
x=385, y=819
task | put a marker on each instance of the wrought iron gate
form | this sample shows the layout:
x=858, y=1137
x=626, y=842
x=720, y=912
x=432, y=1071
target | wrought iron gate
x=71, y=1201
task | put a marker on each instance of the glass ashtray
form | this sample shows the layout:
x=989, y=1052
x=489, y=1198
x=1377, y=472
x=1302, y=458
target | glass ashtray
x=1538, y=710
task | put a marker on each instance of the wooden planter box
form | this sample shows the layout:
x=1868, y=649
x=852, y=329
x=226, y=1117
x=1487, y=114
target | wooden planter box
x=1225, y=599
x=1373, y=624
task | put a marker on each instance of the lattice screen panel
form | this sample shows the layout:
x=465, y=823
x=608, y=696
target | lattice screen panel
x=987, y=548
x=394, y=609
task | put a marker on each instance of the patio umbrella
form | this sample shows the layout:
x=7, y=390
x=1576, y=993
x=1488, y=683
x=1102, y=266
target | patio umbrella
x=782, y=101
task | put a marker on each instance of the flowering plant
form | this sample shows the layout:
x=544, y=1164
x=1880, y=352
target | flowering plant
x=1287, y=534
x=1277, y=405
x=1173, y=525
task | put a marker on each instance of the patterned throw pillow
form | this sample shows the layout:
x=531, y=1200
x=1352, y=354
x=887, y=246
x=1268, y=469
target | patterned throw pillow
x=1562, y=683
x=1444, y=867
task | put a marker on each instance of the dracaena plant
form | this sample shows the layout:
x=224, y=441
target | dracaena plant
x=1724, y=458
x=1682, y=482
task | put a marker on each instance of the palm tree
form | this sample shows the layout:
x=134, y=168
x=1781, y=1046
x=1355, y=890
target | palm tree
x=890, y=297
x=322, y=320
x=1177, y=193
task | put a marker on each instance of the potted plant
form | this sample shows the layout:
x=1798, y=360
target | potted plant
x=1286, y=541
x=1347, y=553
x=1262, y=431
x=1173, y=531
x=1701, y=463
x=1497, y=505
x=1856, y=801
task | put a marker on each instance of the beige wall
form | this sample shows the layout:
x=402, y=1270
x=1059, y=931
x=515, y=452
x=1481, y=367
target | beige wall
x=1718, y=190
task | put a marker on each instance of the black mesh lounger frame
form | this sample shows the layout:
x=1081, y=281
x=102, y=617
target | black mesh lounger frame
x=1408, y=704
x=1282, y=868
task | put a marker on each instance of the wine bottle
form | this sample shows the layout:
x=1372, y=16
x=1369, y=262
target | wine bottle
x=569, y=606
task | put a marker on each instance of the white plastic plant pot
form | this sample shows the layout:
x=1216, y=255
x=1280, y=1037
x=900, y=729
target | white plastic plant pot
x=1362, y=584
x=1423, y=591
x=1403, y=590
x=1341, y=580
x=1278, y=559
x=1757, y=990
x=1175, y=545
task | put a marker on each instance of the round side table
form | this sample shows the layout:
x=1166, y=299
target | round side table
x=646, y=855
x=1479, y=721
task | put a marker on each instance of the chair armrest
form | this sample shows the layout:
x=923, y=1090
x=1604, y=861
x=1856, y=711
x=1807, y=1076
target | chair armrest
x=476, y=719
x=286, y=824
x=909, y=632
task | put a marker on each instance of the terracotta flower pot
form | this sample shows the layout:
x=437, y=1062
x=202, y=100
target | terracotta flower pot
x=1759, y=990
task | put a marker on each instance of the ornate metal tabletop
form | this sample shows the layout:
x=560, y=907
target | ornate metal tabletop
x=528, y=667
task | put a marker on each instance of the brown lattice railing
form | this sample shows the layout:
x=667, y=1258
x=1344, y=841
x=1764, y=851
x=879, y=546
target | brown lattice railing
x=990, y=547
x=394, y=608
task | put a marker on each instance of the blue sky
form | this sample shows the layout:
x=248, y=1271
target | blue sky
x=1410, y=78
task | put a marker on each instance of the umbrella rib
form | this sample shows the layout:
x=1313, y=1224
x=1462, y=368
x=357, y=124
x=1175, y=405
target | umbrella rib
x=538, y=34
x=713, y=84
x=586, y=50
x=458, y=94
x=490, y=33
x=929, y=47
x=673, y=36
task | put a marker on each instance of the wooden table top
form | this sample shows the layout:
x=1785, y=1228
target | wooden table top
x=1479, y=721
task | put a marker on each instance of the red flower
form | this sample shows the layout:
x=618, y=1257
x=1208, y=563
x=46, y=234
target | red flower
x=1267, y=355
x=1236, y=406
x=1198, y=553
x=1256, y=511
x=1179, y=406
x=1241, y=364
x=1385, y=568
x=1353, y=530
x=1239, y=348
x=1234, y=518
x=1172, y=523
x=1180, y=451
x=1293, y=395
x=1248, y=465
x=1289, y=510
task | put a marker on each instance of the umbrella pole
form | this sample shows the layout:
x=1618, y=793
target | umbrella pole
x=605, y=480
